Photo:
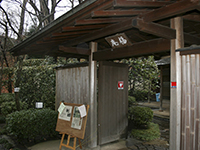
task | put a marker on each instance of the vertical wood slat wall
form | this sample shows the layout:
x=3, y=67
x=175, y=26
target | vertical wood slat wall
x=72, y=86
x=190, y=125
x=112, y=102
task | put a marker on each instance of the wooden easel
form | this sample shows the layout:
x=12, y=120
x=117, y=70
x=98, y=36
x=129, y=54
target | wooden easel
x=64, y=128
x=68, y=141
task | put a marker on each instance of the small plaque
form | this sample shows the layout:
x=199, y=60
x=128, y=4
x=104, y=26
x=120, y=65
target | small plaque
x=118, y=40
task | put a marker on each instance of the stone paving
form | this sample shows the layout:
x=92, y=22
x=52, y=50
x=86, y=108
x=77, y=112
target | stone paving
x=133, y=144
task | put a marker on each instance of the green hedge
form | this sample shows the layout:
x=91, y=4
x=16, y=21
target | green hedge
x=5, y=80
x=6, y=97
x=38, y=85
x=152, y=133
x=140, y=95
x=131, y=101
x=140, y=116
x=10, y=107
x=32, y=124
x=33, y=62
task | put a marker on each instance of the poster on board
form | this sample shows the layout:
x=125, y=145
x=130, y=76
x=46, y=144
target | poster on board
x=66, y=113
x=76, y=119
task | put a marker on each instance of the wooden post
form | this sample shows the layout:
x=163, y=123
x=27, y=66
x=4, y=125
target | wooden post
x=93, y=97
x=161, y=88
x=175, y=96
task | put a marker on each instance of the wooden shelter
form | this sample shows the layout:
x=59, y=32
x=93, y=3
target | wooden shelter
x=102, y=30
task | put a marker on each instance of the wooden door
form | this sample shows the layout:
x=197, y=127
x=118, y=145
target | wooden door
x=112, y=101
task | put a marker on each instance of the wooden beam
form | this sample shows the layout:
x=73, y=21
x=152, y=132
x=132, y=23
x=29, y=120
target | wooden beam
x=70, y=33
x=109, y=30
x=98, y=21
x=117, y=13
x=81, y=28
x=155, y=29
x=138, y=49
x=191, y=39
x=74, y=50
x=191, y=17
x=163, y=31
x=133, y=3
x=189, y=50
x=59, y=38
x=169, y=11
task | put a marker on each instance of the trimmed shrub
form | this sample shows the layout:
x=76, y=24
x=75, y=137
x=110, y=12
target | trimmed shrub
x=10, y=107
x=131, y=101
x=140, y=95
x=7, y=79
x=33, y=62
x=6, y=97
x=140, y=116
x=32, y=124
x=6, y=144
x=152, y=133
x=2, y=119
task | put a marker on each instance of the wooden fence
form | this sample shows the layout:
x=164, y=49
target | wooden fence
x=190, y=125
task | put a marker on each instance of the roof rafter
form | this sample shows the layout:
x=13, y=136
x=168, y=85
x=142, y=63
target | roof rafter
x=170, y=10
x=70, y=33
x=192, y=17
x=74, y=50
x=138, y=49
x=81, y=28
x=109, y=30
x=98, y=21
x=191, y=39
x=163, y=31
x=155, y=29
x=117, y=13
x=129, y=3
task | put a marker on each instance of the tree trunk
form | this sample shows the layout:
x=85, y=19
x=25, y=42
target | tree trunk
x=1, y=71
x=18, y=80
x=20, y=59
x=45, y=11
x=22, y=17
x=149, y=93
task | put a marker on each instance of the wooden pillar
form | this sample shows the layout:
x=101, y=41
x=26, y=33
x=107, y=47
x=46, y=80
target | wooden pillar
x=175, y=96
x=93, y=97
x=161, y=88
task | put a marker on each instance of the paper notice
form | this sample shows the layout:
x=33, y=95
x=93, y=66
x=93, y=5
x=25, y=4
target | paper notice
x=76, y=120
x=66, y=113
x=61, y=108
x=82, y=111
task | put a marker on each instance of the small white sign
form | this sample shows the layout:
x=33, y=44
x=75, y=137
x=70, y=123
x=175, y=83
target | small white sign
x=82, y=110
x=39, y=105
x=16, y=89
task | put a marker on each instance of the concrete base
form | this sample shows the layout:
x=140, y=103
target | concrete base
x=54, y=145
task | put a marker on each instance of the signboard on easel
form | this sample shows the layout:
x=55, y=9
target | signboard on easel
x=72, y=120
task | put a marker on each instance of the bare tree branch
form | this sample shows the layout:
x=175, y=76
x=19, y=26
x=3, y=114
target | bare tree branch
x=10, y=22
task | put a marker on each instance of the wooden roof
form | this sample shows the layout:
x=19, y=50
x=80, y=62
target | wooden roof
x=145, y=23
